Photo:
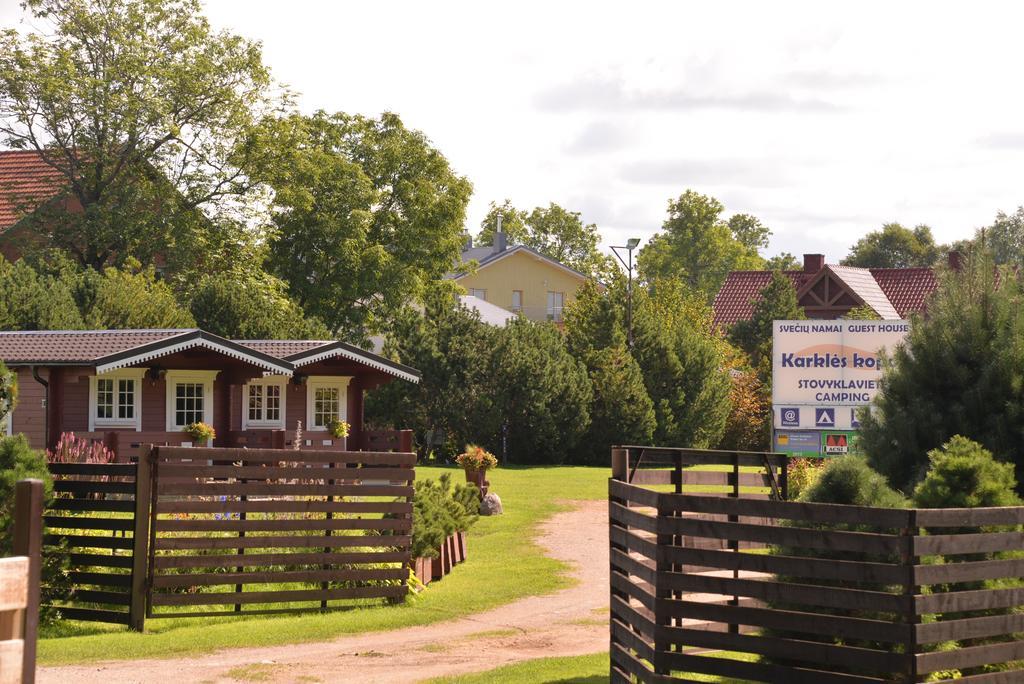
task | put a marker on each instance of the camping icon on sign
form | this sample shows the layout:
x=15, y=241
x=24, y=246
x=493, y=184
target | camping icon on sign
x=825, y=417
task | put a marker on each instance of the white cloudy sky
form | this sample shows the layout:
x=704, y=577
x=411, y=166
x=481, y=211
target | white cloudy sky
x=824, y=120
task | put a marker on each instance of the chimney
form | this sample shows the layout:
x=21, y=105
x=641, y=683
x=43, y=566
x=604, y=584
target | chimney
x=467, y=242
x=500, y=239
x=956, y=260
x=813, y=262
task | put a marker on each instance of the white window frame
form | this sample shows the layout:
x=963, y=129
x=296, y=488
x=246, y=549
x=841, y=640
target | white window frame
x=315, y=382
x=135, y=423
x=555, y=312
x=279, y=381
x=199, y=377
x=517, y=307
x=478, y=292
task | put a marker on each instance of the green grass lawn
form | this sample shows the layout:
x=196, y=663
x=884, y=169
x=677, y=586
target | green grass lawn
x=585, y=669
x=503, y=565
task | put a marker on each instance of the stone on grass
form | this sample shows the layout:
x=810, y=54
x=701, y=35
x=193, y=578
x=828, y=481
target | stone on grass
x=491, y=505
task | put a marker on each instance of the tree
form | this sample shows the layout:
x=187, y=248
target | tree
x=146, y=115
x=959, y=371
x=1005, y=237
x=554, y=232
x=783, y=261
x=367, y=214
x=541, y=394
x=127, y=298
x=776, y=302
x=251, y=306
x=895, y=247
x=699, y=248
x=8, y=392
x=30, y=301
x=748, y=427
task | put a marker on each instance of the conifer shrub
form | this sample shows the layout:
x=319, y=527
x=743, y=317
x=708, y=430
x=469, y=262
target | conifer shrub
x=439, y=510
x=964, y=474
x=850, y=480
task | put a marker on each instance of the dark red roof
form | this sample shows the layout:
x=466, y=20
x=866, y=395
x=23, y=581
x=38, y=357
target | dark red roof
x=282, y=349
x=26, y=181
x=906, y=288
x=70, y=346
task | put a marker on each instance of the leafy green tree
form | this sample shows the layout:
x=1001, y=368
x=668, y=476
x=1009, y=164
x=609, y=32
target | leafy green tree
x=699, y=248
x=862, y=313
x=1005, y=237
x=959, y=371
x=783, y=261
x=552, y=231
x=145, y=112
x=895, y=246
x=595, y=320
x=30, y=301
x=8, y=392
x=621, y=412
x=776, y=302
x=251, y=306
x=368, y=213
x=131, y=297
x=541, y=393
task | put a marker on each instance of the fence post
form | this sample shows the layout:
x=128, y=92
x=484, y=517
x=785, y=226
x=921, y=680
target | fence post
x=28, y=541
x=620, y=471
x=784, y=477
x=140, y=539
x=405, y=441
x=910, y=590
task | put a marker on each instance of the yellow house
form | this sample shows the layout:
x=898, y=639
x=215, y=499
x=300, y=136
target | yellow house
x=520, y=279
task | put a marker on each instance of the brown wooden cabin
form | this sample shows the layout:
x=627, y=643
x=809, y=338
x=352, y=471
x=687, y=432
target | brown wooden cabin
x=131, y=387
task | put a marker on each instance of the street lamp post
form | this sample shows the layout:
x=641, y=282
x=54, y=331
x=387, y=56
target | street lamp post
x=629, y=247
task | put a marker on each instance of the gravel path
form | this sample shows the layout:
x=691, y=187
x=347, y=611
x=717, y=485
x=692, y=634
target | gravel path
x=569, y=622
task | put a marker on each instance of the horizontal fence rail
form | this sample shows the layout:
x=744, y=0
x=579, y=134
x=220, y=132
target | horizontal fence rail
x=825, y=593
x=261, y=531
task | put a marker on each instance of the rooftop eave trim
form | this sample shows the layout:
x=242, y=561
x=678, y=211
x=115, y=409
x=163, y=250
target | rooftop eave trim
x=173, y=345
x=403, y=372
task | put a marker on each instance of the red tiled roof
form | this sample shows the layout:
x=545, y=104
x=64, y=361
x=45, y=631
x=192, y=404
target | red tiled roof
x=282, y=349
x=26, y=181
x=71, y=346
x=906, y=288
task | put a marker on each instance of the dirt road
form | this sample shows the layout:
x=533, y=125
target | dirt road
x=569, y=622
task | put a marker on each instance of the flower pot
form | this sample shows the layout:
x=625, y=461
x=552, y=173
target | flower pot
x=479, y=478
x=460, y=538
x=423, y=569
x=441, y=565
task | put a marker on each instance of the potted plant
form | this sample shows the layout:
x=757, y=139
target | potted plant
x=476, y=461
x=338, y=429
x=201, y=433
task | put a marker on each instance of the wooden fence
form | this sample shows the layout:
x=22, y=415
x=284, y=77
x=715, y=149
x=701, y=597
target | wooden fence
x=19, y=587
x=190, y=532
x=846, y=594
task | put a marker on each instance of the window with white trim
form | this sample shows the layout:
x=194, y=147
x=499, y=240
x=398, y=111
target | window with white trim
x=326, y=400
x=115, y=399
x=556, y=304
x=517, y=300
x=189, y=398
x=479, y=293
x=263, y=403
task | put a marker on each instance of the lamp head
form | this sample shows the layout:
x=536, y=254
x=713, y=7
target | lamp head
x=632, y=243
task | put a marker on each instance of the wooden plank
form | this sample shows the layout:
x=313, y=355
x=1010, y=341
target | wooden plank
x=336, y=575
x=13, y=583
x=635, y=543
x=113, y=598
x=297, y=489
x=791, y=566
x=961, y=601
x=625, y=564
x=172, y=472
x=651, y=477
x=11, y=658
x=286, y=596
x=970, y=517
x=394, y=458
x=869, y=661
x=631, y=665
x=760, y=672
x=797, y=621
x=627, y=517
x=632, y=493
x=86, y=488
x=969, y=571
x=141, y=539
x=832, y=540
x=788, y=510
x=98, y=560
x=624, y=630
x=280, y=541
x=639, y=591
x=80, y=523
x=96, y=505
x=101, y=579
x=89, y=541
x=116, y=617
x=288, y=506
x=970, y=656
x=28, y=542
x=108, y=469
x=970, y=628
x=687, y=457
x=982, y=542
x=1005, y=677
x=786, y=592
x=257, y=560
x=284, y=525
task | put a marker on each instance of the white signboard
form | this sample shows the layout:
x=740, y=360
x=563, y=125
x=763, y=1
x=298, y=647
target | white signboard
x=823, y=370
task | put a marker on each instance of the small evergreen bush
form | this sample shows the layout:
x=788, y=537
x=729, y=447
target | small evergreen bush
x=439, y=510
x=850, y=480
x=964, y=474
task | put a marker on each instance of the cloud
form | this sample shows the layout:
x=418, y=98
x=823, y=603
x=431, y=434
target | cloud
x=695, y=172
x=1002, y=141
x=610, y=94
x=597, y=137
x=829, y=79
